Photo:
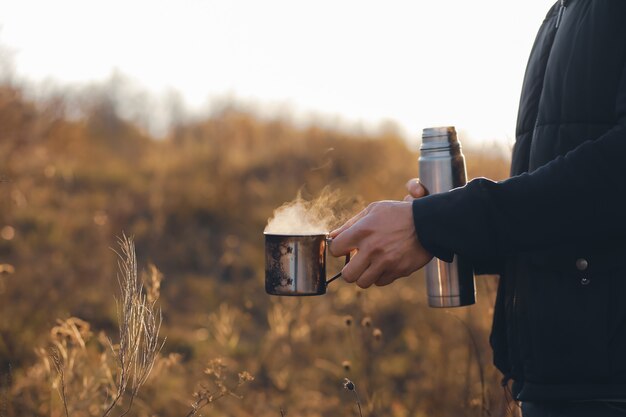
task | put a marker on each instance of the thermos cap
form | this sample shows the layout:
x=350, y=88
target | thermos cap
x=439, y=138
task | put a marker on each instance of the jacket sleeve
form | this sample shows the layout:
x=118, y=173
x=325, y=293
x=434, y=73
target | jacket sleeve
x=579, y=198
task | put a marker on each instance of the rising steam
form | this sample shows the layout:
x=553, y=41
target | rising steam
x=302, y=217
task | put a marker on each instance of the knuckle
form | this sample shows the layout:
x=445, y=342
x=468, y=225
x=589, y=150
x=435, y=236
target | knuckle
x=387, y=262
x=366, y=228
x=374, y=250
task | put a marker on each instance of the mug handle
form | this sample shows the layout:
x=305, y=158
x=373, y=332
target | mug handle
x=328, y=240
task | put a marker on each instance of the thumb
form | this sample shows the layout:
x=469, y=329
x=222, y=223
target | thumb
x=416, y=188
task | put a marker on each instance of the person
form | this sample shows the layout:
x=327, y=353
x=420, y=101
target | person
x=555, y=231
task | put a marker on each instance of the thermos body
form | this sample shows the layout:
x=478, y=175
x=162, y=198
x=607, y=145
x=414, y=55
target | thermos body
x=442, y=168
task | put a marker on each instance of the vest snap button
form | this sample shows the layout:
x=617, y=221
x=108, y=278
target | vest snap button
x=582, y=264
x=585, y=281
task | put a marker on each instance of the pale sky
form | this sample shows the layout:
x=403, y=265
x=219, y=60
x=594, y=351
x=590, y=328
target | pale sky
x=418, y=63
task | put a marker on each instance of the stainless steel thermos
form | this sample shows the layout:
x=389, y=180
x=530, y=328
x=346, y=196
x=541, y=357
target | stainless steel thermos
x=442, y=168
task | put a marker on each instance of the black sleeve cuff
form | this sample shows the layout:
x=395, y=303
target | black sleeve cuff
x=426, y=227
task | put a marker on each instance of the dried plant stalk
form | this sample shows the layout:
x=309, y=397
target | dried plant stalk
x=139, y=325
x=350, y=386
x=57, y=361
x=217, y=371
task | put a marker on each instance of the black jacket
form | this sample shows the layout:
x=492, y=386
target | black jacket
x=556, y=230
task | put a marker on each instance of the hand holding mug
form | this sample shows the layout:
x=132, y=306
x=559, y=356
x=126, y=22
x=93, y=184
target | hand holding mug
x=385, y=241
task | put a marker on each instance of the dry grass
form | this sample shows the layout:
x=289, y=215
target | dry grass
x=95, y=377
x=217, y=371
x=89, y=385
x=139, y=325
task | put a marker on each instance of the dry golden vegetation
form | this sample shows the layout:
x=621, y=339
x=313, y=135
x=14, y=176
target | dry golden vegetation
x=196, y=202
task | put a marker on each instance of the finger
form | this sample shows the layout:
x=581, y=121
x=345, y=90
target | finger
x=385, y=280
x=349, y=239
x=349, y=223
x=409, y=197
x=416, y=188
x=346, y=238
x=355, y=268
x=370, y=275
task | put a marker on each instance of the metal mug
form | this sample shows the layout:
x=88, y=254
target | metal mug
x=295, y=265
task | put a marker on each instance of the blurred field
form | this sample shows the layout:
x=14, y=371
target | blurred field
x=196, y=203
